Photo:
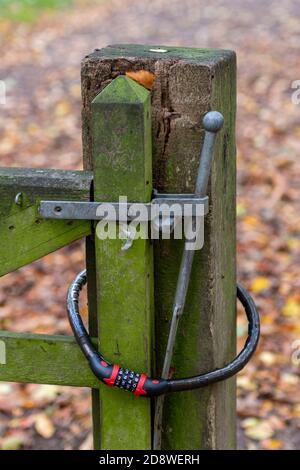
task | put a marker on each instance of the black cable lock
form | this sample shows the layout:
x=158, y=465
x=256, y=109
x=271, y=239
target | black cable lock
x=141, y=384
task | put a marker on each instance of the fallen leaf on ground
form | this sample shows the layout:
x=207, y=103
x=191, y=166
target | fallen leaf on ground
x=45, y=393
x=291, y=308
x=44, y=426
x=272, y=444
x=259, y=431
x=259, y=284
x=12, y=443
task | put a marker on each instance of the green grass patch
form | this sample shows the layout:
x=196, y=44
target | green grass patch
x=29, y=10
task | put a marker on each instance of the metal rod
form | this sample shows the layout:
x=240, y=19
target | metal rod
x=212, y=123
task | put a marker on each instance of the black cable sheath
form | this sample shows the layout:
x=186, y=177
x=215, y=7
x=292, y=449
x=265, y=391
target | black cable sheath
x=140, y=384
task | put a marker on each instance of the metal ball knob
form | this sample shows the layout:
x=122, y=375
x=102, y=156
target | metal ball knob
x=213, y=121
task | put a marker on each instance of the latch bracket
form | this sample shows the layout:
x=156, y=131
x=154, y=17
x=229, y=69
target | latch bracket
x=125, y=211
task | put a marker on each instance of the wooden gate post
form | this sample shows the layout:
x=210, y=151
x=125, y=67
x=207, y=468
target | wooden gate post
x=188, y=83
x=122, y=163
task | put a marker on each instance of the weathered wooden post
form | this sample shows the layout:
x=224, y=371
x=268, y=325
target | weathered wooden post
x=122, y=163
x=188, y=83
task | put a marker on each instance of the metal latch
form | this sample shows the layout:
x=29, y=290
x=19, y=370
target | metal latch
x=125, y=211
x=141, y=384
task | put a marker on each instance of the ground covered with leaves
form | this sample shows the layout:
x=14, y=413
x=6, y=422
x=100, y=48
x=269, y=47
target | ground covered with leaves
x=40, y=127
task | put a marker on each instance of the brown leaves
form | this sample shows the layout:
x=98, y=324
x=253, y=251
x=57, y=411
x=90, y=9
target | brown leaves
x=143, y=77
x=39, y=413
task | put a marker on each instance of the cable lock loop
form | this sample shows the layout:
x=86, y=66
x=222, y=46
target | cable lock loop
x=140, y=384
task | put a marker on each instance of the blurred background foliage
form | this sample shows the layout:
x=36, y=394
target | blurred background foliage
x=42, y=43
x=29, y=10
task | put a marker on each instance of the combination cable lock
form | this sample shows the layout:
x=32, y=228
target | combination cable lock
x=138, y=383
x=141, y=384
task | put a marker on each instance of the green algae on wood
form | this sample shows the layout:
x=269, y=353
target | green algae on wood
x=188, y=83
x=24, y=235
x=122, y=167
x=43, y=359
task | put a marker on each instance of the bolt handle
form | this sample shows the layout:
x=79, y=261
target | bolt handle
x=212, y=123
